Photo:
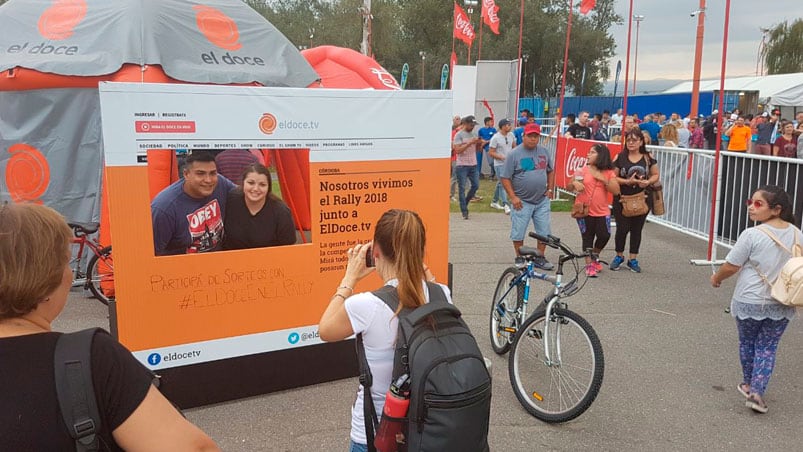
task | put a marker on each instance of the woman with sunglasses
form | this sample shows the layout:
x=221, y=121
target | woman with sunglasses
x=593, y=182
x=757, y=259
x=636, y=170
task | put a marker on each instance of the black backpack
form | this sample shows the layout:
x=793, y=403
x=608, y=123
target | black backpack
x=72, y=362
x=450, y=392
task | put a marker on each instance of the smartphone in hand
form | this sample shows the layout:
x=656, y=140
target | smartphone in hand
x=369, y=258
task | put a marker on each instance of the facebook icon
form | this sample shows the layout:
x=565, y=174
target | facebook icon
x=154, y=359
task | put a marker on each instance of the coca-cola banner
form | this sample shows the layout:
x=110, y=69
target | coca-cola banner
x=572, y=154
x=489, y=15
x=463, y=30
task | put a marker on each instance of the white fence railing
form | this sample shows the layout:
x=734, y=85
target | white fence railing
x=687, y=176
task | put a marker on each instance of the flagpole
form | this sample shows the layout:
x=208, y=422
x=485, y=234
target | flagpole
x=627, y=64
x=521, y=33
x=566, y=60
x=479, y=49
x=718, y=148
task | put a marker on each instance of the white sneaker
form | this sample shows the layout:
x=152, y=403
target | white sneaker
x=496, y=206
x=507, y=209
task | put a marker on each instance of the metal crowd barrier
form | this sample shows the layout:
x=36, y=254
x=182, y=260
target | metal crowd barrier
x=687, y=176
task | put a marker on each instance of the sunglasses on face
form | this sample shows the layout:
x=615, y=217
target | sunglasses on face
x=755, y=203
x=632, y=139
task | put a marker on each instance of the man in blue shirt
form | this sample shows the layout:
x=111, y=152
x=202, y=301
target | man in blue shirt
x=187, y=216
x=651, y=127
x=486, y=133
x=518, y=132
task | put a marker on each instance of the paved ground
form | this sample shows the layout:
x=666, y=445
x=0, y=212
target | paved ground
x=671, y=362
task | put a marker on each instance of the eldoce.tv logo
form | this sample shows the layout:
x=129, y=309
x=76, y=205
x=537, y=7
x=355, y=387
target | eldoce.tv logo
x=155, y=358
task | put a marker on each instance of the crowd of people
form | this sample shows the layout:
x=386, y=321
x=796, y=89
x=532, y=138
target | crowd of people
x=766, y=133
x=526, y=182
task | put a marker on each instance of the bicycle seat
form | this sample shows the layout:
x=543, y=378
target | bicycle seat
x=85, y=228
x=528, y=251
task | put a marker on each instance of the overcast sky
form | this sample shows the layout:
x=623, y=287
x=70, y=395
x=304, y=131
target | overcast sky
x=668, y=34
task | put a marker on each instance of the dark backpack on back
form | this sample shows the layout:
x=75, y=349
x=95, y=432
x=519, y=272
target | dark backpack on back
x=72, y=362
x=450, y=392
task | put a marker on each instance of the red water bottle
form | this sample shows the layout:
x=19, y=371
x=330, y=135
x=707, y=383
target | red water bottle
x=394, y=416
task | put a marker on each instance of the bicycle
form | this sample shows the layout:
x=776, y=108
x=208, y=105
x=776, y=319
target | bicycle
x=556, y=363
x=99, y=274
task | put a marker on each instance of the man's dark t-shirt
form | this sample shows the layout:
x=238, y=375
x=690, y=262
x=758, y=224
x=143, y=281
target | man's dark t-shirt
x=182, y=224
x=30, y=419
x=578, y=131
x=271, y=226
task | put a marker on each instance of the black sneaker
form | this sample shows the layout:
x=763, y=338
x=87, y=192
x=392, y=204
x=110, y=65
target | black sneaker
x=465, y=216
x=542, y=263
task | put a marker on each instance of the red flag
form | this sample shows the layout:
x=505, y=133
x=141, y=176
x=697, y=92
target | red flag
x=462, y=26
x=587, y=5
x=489, y=10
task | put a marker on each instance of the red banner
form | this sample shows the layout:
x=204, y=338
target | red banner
x=489, y=16
x=587, y=5
x=572, y=154
x=463, y=30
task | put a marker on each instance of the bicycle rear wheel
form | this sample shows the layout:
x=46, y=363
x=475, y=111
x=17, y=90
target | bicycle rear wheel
x=100, y=275
x=560, y=390
x=506, y=301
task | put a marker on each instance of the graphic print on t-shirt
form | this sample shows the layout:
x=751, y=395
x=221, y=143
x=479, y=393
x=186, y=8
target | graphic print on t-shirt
x=206, y=228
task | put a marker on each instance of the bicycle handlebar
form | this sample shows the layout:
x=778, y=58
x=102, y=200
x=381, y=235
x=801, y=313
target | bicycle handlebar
x=554, y=242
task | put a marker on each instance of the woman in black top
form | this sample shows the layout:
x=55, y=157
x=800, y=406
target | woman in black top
x=635, y=171
x=35, y=280
x=255, y=217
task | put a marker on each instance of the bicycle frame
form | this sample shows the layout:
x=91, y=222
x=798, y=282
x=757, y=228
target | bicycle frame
x=79, y=275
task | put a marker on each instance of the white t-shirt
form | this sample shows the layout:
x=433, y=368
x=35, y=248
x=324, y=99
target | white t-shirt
x=503, y=144
x=755, y=251
x=370, y=316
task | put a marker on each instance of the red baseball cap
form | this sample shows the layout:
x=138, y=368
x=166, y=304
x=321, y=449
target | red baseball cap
x=532, y=128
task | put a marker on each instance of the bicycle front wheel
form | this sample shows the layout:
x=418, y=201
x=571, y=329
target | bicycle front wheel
x=504, y=310
x=100, y=275
x=562, y=387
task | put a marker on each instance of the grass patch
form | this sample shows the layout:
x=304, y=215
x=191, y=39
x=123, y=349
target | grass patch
x=486, y=190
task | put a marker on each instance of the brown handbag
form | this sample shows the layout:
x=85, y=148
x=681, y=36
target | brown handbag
x=579, y=210
x=634, y=205
x=656, y=194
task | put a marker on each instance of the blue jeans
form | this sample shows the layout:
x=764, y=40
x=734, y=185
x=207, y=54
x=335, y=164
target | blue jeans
x=470, y=173
x=499, y=193
x=539, y=214
x=356, y=447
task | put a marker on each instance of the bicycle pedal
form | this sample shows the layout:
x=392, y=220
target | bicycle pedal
x=535, y=333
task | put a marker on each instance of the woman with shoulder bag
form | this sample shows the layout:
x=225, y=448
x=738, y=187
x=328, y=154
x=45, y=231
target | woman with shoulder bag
x=636, y=170
x=35, y=280
x=760, y=319
x=593, y=182
x=398, y=254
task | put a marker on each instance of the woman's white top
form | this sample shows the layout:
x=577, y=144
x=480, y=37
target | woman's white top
x=756, y=252
x=370, y=316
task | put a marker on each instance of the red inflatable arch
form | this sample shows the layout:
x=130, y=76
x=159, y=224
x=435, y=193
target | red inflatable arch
x=345, y=68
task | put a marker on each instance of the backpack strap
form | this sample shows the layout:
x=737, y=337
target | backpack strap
x=76, y=394
x=366, y=380
x=776, y=240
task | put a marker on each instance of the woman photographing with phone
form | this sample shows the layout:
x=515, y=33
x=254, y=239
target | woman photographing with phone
x=397, y=251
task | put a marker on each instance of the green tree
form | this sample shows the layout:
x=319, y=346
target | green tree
x=403, y=28
x=783, y=53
